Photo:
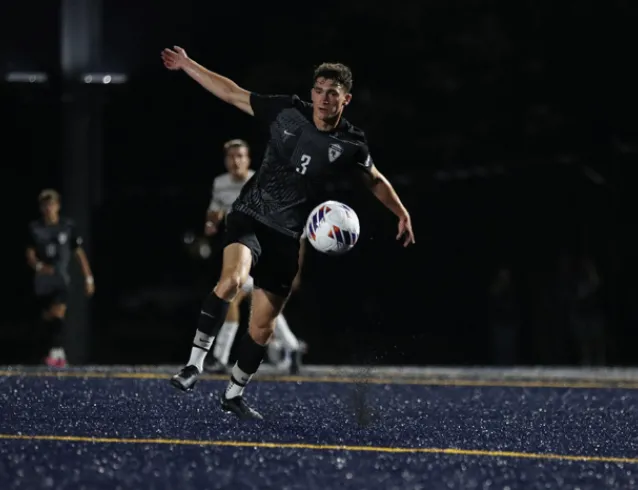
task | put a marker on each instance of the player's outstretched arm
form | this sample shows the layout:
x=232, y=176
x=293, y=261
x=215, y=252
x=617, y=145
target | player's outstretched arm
x=89, y=284
x=384, y=192
x=222, y=87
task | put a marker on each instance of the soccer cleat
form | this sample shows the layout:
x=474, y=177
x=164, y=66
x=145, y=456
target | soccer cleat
x=55, y=362
x=240, y=408
x=187, y=377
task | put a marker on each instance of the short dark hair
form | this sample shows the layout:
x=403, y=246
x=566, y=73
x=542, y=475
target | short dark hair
x=236, y=143
x=338, y=72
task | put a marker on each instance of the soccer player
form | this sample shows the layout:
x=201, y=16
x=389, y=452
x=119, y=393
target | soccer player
x=53, y=239
x=309, y=143
x=226, y=189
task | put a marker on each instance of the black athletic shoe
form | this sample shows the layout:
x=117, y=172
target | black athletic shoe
x=187, y=377
x=240, y=408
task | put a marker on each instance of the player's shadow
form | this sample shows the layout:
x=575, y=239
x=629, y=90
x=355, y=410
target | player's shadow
x=365, y=414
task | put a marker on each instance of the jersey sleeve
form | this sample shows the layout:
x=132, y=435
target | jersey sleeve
x=268, y=107
x=75, y=239
x=362, y=159
x=215, y=204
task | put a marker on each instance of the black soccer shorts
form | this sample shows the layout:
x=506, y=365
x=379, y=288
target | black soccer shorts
x=57, y=296
x=275, y=255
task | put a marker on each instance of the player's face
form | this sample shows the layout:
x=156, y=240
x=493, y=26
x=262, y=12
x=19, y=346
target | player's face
x=50, y=208
x=328, y=99
x=237, y=161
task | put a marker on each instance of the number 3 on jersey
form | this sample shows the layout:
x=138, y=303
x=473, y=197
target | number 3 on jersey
x=303, y=167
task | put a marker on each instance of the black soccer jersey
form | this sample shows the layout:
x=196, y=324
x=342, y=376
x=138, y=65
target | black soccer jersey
x=54, y=245
x=299, y=158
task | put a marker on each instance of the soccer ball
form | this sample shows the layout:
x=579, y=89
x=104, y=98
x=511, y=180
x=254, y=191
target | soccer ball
x=332, y=228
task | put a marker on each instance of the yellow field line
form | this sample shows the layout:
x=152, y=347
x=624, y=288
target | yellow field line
x=335, y=379
x=321, y=447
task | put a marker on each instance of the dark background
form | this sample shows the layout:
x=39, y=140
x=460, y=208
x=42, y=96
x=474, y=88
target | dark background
x=508, y=128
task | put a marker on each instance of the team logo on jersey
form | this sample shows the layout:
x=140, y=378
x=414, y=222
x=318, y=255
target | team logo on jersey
x=62, y=238
x=334, y=152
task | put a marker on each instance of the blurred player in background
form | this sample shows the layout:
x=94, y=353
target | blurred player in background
x=52, y=240
x=285, y=350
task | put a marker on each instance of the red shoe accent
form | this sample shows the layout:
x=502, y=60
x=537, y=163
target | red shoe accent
x=55, y=363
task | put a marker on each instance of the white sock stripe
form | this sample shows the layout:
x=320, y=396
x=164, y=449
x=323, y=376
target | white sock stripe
x=201, y=345
x=240, y=375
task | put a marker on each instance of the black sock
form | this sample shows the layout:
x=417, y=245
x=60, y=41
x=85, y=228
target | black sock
x=250, y=355
x=212, y=315
x=56, y=332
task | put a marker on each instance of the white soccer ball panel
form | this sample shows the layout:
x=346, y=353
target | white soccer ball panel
x=333, y=228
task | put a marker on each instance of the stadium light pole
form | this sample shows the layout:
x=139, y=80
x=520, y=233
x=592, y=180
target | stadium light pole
x=80, y=52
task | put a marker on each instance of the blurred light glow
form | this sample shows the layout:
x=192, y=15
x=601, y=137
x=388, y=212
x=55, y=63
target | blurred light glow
x=105, y=78
x=26, y=77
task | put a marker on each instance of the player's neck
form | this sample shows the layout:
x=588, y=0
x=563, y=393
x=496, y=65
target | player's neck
x=52, y=220
x=239, y=178
x=326, y=125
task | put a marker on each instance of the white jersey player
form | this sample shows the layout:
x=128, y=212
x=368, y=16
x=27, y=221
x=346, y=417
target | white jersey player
x=226, y=189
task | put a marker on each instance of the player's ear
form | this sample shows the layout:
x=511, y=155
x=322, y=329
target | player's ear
x=348, y=99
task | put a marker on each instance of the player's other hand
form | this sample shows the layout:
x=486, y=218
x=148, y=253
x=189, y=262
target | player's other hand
x=405, y=230
x=174, y=59
x=46, y=270
x=89, y=288
x=210, y=229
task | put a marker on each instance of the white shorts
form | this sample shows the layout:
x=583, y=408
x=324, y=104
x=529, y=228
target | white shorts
x=249, y=285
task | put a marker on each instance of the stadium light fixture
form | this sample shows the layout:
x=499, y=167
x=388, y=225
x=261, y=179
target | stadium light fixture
x=105, y=78
x=26, y=77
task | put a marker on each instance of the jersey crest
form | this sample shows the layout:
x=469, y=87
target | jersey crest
x=62, y=237
x=334, y=152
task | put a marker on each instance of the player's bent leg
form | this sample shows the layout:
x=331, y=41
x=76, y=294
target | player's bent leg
x=285, y=335
x=237, y=260
x=266, y=306
x=53, y=318
x=226, y=336
x=291, y=346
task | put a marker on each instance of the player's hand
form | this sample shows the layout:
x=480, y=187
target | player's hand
x=405, y=230
x=210, y=229
x=174, y=59
x=46, y=270
x=89, y=287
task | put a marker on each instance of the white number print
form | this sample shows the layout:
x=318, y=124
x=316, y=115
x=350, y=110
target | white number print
x=305, y=160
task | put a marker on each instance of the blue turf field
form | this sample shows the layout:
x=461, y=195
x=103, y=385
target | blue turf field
x=132, y=430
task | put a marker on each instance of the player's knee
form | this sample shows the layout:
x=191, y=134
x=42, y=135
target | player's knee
x=241, y=296
x=262, y=329
x=229, y=285
x=57, y=311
